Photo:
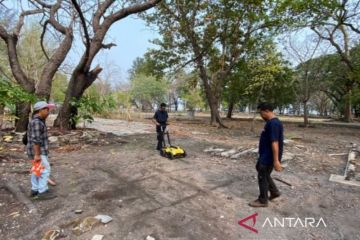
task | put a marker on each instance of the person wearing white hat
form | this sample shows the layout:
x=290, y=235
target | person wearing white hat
x=37, y=149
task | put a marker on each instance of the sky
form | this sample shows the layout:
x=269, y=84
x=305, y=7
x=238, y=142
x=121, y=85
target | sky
x=132, y=37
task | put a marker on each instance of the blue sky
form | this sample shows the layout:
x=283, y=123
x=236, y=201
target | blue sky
x=131, y=35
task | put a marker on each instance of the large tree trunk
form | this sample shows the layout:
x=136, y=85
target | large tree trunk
x=212, y=95
x=79, y=82
x=214, y=107
x=22, y=112
x=43, y=88
x=347, y=109
x=306, y=118
x=2, y=107
x=22, y=109
x=176, y=104
x=230, y=110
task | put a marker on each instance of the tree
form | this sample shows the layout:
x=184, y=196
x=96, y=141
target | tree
x=269, y=79
x=211, y=35
x=148, y=91
x=102, y=16
x=333, y=78
x=11, y=36
x=337, y=22
x=235, y=87
x=307, y=71
x=189, y=90
x=322, y=104
x=147, y=65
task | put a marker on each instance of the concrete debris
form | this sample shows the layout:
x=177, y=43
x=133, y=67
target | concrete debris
x=149, y=238
x=78, y=211
x=300, y=146
x=337, y=154
x=287, y=156
x=288, y=141
x=214, y=150
x=237, y=155
x=53, y=139
x=228, y=153
x=357, y=177
x=351, y=175
x=97, y=237
x=199, y=133
x=341, y=179
x=351, y=167
x=233, y=153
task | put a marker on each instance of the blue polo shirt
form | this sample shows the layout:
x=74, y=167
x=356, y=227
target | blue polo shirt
x=161, y=116
x=273, y=131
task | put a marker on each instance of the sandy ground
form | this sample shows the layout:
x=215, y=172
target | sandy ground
x=199, y=197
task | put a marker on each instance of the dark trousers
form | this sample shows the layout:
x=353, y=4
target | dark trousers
x=160, y=136
x=265, y=182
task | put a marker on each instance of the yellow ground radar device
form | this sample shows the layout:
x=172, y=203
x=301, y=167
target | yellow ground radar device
x=170, y=151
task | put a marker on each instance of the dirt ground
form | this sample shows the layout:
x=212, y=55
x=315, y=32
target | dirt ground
x=200, y=197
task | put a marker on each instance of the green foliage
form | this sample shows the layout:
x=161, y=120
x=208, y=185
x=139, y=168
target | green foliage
x=147, y=66
x=58, y=88
x=90, y=105
x=266, y=77
x=146, y=89
x=220, y=29
x=193, y=99
x=190, y=91
x=123, y=98
x=11, y=94
x=212, y=37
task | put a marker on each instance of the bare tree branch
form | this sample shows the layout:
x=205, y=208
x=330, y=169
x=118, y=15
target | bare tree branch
x=42, y=3
x=52, y=19
x=109, y=45
x=83, y=23
x=100, y=12
x=20, y=23
x=133, y=9
x=42, y=40
x=352, y=27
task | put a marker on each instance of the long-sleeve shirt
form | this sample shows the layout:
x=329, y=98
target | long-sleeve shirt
x=37, y=134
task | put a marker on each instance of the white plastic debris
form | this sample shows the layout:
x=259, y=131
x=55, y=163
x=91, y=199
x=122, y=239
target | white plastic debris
x=150, y=238
x=104, y=218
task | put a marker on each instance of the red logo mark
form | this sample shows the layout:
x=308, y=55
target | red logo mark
x=251, y=228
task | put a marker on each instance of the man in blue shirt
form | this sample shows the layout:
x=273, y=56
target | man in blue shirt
x=160, y=119
x=270, y=153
